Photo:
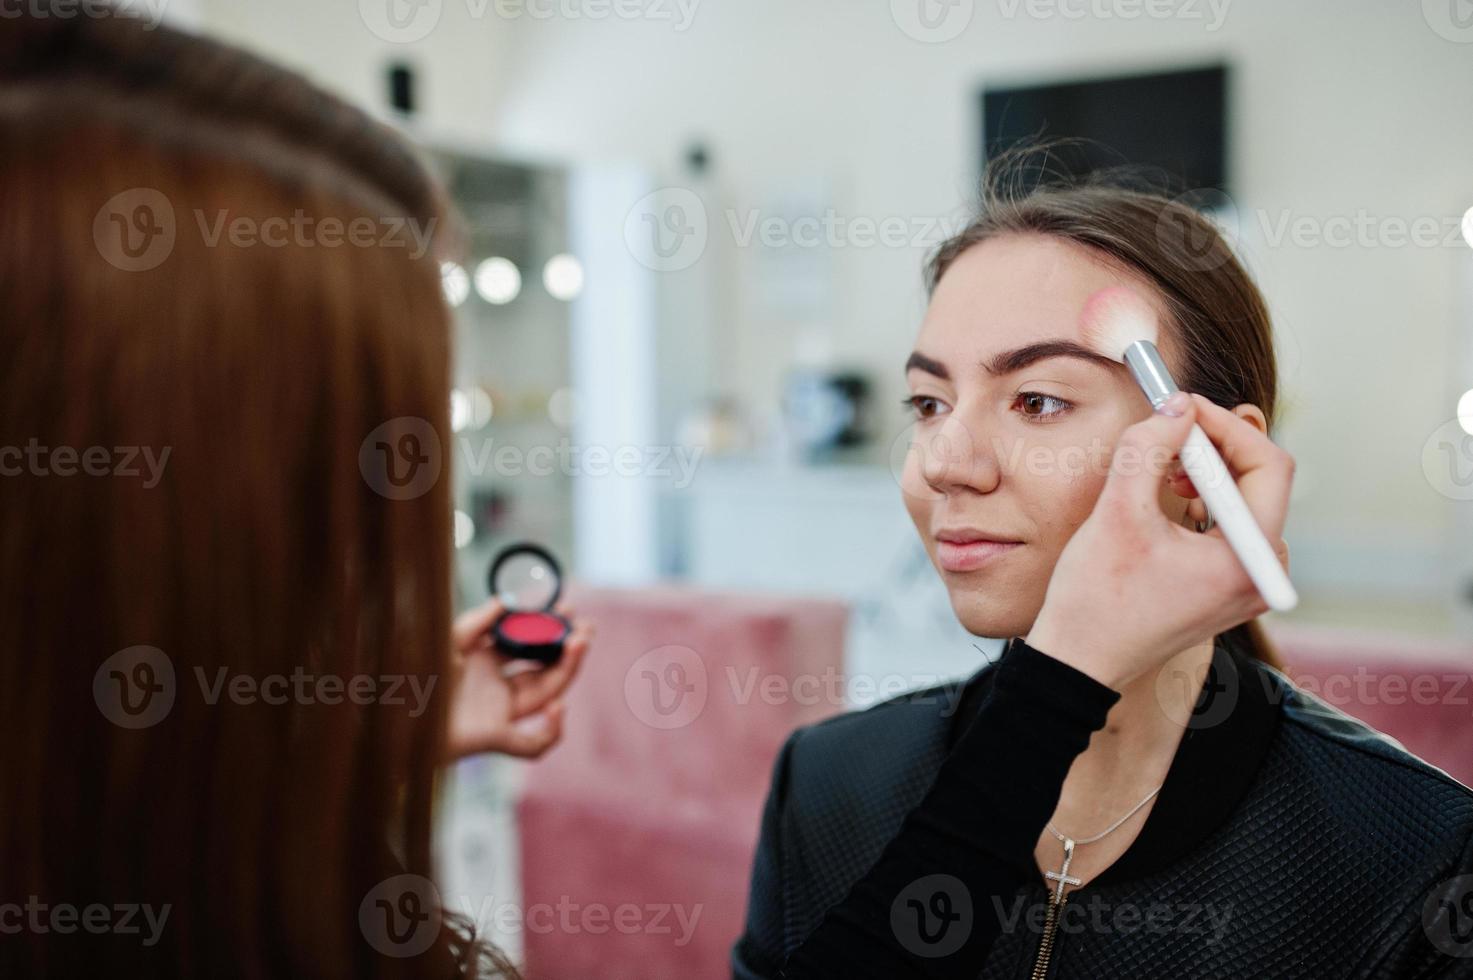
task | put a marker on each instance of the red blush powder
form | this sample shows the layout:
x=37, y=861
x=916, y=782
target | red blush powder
x=531, y=628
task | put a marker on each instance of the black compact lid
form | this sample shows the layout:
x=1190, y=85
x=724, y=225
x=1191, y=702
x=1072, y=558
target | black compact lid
x=526, y=578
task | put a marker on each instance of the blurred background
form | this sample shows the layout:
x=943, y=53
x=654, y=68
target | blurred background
x=698, y=231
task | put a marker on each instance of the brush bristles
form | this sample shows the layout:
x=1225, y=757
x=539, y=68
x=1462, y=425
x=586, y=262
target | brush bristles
x=1115, y=318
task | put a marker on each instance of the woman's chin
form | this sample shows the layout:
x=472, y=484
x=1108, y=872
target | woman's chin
x=981, y=615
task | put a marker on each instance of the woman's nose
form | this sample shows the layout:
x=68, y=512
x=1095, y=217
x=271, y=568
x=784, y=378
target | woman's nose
x=956, y=456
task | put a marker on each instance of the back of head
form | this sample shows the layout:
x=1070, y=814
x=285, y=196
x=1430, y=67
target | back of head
x=217, y=285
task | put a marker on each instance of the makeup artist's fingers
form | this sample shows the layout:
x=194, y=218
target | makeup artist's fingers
x=530, y=737
x=532, y=689
x=471, y=629
x=1280, y=546
x=1142, y=460
x=1263, y=471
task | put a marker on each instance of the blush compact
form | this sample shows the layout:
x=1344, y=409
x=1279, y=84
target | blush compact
x=527, y=580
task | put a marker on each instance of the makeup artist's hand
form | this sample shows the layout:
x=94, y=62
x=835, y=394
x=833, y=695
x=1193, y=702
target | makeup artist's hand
x=518, y=713
x=1132, y=588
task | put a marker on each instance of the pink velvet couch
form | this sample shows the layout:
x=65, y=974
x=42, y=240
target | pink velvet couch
x=649, y=808
x=637, y=832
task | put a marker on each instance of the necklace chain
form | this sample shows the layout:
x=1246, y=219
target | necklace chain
x=1113, y=827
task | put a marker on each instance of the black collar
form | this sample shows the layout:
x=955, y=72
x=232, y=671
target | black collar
x=1230, y=731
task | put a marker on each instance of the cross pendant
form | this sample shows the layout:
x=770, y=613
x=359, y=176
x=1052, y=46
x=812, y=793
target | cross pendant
x=1062, y=875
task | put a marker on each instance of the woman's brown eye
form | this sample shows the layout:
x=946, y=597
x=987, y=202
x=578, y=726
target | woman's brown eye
x=1035, y=404
x=922, y=406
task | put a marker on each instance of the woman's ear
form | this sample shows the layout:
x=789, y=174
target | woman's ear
x=1253, y=415
x=1181, y=485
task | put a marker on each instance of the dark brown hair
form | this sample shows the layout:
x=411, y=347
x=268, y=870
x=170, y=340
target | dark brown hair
x=1218, y=317
x=262, y=826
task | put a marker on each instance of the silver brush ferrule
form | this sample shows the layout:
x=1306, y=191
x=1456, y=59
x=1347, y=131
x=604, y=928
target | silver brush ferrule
x=1149, y=371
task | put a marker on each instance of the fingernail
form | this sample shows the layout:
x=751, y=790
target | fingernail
x=1176, y=405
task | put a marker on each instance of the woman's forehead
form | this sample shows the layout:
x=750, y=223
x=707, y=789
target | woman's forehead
x=1013, y=290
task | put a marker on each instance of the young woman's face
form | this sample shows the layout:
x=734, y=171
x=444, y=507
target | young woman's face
x=1013, y=441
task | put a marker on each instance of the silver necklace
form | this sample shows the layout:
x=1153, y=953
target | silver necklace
x=1062, y=875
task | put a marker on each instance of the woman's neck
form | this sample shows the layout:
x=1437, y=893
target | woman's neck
x=1128, y=758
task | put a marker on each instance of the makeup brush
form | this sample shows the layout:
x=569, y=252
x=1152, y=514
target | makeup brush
x=1118, y=323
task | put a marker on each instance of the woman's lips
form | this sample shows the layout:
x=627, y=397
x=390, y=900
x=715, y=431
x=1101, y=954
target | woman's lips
x=967, y=556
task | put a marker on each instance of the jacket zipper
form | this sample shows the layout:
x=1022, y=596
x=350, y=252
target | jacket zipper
x=1050, y=932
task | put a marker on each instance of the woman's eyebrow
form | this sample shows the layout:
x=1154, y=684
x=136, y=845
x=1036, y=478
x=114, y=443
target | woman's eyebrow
x=1009, y=361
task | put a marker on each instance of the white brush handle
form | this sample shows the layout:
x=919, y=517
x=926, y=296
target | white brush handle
x=1225, y=503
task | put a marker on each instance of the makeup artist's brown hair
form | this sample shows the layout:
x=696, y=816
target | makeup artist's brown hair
x=181, y=470
x=1218, y=316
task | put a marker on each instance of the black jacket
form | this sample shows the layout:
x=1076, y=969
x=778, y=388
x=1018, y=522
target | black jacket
x=1289, y=841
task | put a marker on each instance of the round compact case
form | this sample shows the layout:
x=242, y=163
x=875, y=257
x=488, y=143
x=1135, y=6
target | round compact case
x=527, y=580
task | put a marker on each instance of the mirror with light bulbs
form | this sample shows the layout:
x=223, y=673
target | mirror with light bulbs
x=511, y=291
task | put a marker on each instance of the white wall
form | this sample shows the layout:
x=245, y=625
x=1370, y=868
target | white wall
x=460, y=55
x=1342, y=107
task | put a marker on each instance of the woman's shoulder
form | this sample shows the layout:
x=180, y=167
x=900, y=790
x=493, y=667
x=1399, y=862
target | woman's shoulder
x=842, y=787
x=1344, y=810
x=1349, y=744
x=1381, y=797
x=868, y=767
x=892, y=748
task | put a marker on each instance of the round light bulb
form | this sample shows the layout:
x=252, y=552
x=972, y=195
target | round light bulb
x=460, y=410
x=498, y=280
x=465, y=529
x=480, y=406
x=563, y=277
x=455, y=281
